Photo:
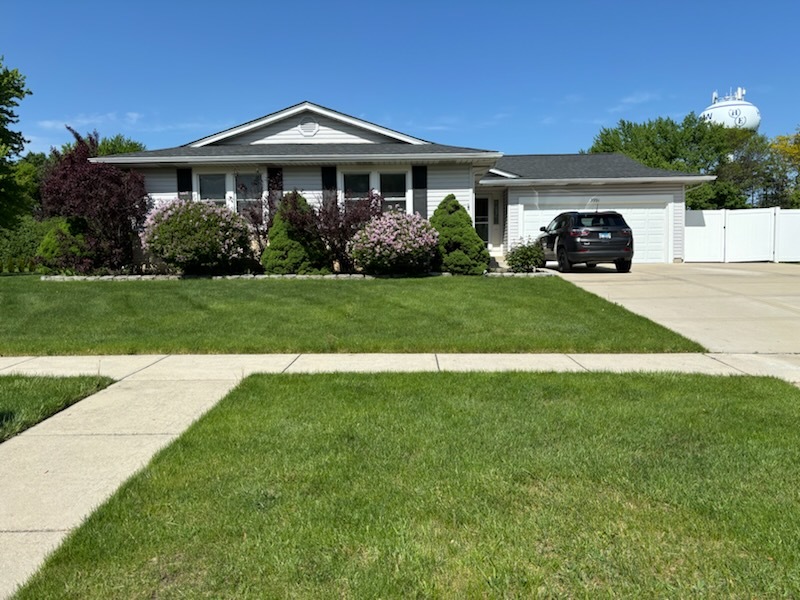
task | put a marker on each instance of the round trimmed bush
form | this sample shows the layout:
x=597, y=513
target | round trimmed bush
x=395, y=243
x=461, y=249
x=526, y=257
x=198, y=238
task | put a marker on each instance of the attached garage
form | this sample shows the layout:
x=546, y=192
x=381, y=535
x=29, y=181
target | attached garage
x=651, y=200
x=648, y=214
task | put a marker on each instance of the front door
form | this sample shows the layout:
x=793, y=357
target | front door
x=482, y=219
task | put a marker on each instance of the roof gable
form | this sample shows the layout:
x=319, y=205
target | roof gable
x=306, y=123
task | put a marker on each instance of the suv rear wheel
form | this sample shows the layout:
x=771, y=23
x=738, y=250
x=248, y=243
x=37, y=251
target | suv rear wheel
x=623, y=265
x=563, y=262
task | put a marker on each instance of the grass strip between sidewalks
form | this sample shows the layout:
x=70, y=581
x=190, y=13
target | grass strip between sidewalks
x=25, y=401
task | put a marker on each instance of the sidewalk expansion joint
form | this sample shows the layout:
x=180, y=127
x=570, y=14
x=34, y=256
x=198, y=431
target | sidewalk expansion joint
x=109, y=434
x=35, y=530
x=722, y=362
x=22, y=362
x=152, y=364
x=438, y=367
x=289, y=366
x=573, y=359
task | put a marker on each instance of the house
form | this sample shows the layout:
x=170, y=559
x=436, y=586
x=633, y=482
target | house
x=311, y=148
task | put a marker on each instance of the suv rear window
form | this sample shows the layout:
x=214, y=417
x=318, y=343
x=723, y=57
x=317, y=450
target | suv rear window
x=599, y=220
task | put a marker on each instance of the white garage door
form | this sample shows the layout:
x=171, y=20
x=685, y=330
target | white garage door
x=648, y=220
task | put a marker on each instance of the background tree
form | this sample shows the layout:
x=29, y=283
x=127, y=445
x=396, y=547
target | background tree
x=787, y=150
x=118, y=144
x=103, y=203
x=743, y=160
x=29, y=172
x=12, y=90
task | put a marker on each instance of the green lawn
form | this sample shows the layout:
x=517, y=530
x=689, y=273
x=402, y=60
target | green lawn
x=24, y=401
x=442, y=314
x=459, y=486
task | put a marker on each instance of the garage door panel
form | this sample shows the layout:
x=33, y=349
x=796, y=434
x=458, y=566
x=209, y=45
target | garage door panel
x=647, y=218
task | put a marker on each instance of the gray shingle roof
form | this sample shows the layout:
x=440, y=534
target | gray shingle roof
x=300, y=150
x=577, y=166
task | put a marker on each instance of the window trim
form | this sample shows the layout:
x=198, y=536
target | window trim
x=214, y=173
x=375, y=172
x=230, y=199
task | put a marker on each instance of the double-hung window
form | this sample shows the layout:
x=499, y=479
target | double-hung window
x=356, y=185
x=248, y=191
x=212, y=187
x=393, y=190
x=392, y=186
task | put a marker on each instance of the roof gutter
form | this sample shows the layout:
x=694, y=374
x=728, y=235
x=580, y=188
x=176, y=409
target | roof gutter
x=687, y=179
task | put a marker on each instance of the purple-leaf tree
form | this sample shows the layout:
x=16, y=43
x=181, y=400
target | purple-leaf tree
x=106, y=204
x=338, y=223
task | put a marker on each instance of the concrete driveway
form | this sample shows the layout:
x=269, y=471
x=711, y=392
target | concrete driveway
x=736, y=308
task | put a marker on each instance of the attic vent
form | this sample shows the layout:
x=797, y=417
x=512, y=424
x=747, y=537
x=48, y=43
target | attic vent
x=308, y=126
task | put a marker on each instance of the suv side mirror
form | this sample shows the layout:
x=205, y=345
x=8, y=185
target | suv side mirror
x=542, y=228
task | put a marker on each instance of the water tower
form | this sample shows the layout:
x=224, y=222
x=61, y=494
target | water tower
x=732, y=111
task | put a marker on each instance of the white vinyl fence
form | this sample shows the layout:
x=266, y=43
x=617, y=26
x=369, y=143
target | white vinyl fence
x=748, y=235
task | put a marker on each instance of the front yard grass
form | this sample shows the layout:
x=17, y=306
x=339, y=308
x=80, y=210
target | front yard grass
x=459, y=486
x=442, y=314
x=25, y=401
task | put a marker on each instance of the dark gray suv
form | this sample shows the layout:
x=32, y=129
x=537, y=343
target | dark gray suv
x=590, y=238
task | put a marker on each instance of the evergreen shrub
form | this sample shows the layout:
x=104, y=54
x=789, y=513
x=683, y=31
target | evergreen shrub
x=461, y=250
x=294, y=242
x=63, y=248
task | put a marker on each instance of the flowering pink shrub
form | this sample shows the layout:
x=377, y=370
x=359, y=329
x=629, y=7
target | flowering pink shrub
x=395, y=242
x=198, y=238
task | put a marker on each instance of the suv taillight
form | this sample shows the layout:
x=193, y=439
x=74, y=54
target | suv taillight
x=578, y=232
x=625, y=232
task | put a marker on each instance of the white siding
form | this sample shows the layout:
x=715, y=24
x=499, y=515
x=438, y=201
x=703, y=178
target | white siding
x=160, y=182
x=649, y=210
x=306, y=180
x=450, y=179
x=287, y=132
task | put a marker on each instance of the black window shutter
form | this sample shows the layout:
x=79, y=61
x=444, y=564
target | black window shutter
x=274, y=179
x=419, y=177
x=419, y=185
x=328, y=178
x=184, y=180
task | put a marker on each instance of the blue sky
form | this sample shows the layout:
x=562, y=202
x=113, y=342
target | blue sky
x=519, y=77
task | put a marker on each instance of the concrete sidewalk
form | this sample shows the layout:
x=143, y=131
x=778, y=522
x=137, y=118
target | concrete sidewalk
x=56, y=473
